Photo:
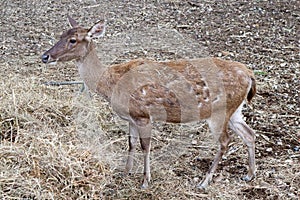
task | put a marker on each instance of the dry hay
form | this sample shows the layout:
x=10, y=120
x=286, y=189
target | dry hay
x=57, y=143
x=41, y=153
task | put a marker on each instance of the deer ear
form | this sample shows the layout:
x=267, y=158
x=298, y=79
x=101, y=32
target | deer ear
x=97, y=30
x=72, y=22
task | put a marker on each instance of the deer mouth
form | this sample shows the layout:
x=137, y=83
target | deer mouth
x=48, y=60
x=53, y=62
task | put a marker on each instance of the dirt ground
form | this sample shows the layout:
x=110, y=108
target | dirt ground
x=59, y=143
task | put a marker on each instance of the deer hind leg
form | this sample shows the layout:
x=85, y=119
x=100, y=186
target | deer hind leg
x=133, y=138
x=219, y=129
x=239, y=126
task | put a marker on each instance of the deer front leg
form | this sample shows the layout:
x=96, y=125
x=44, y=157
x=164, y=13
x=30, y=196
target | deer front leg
x=145, y=144
x=132, y=138
x=144, y=133
x=145, y=140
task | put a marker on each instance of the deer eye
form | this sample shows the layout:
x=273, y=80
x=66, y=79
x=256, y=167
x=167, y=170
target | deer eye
x=72, y=41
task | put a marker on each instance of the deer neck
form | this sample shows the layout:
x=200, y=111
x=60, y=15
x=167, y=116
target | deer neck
x=90, y=68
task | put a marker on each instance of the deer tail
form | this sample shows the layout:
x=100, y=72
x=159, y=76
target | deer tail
x=252, y=90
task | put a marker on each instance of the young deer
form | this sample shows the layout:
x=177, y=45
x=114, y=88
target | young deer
x=142, y=91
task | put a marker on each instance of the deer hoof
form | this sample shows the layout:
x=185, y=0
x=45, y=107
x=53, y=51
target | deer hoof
x=145, y=186
x=202, y=186
x=248, y=178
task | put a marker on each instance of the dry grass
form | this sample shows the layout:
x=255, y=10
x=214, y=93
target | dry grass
x=41, y=153
x=57, y=143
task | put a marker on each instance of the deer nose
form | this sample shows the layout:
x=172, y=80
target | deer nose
x=45, y=58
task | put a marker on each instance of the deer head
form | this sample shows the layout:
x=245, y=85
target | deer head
x=74, y=43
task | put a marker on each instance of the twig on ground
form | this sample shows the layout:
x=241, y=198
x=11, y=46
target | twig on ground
x=54, y=83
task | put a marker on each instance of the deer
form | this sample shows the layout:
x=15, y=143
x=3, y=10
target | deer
x=143, y=91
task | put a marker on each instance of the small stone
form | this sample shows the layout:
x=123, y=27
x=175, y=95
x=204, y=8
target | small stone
x=269, y=149
x=289, y=161
x=283, y=64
